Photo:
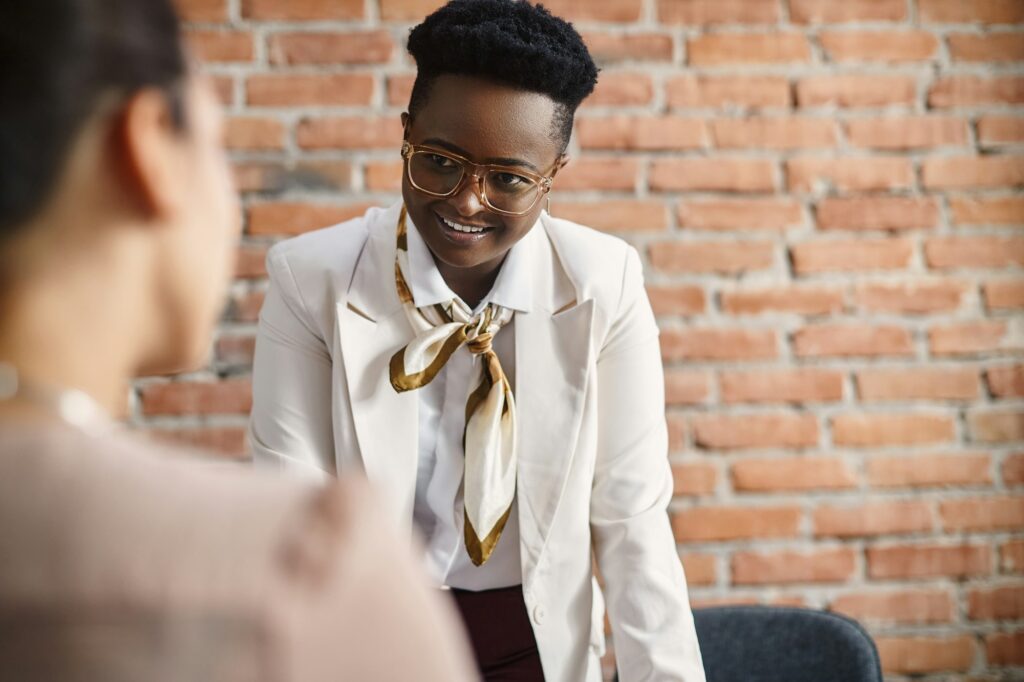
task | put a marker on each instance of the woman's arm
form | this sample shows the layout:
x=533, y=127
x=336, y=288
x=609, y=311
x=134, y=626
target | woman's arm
x=290, y=426
x=645, y=588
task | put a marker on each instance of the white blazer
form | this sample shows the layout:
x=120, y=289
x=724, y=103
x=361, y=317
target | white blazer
x=593, y=469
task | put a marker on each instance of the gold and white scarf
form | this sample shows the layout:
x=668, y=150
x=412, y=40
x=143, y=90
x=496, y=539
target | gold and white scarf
x=489, y=441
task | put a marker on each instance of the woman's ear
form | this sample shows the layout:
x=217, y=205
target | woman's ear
x=405, y=125
x=563, y=160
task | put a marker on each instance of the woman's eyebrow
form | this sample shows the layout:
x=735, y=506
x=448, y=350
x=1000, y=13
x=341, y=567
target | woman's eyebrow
x=500, y=161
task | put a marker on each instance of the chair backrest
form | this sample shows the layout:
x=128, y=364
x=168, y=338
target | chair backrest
x=784, y=644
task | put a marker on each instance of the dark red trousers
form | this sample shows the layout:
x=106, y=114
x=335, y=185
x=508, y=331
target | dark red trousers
x=500, y=633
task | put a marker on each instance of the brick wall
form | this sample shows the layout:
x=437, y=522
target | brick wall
x=827, y=195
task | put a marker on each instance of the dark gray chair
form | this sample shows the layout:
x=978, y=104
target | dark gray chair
x=784, y=644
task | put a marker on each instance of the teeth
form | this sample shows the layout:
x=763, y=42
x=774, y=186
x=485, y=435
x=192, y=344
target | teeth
x=462, y=228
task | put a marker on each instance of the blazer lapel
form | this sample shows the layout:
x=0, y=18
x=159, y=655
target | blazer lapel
x=552, y=359
x=372, y=326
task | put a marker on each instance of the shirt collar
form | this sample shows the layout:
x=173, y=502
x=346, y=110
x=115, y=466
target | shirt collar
x=513, y=288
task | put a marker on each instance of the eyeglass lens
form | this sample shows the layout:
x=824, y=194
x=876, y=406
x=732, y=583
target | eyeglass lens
x=504, y=190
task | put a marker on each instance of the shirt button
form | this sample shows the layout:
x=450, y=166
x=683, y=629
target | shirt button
x=538, y=614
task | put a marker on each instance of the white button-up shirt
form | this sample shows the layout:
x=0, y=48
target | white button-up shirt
x=437, y=509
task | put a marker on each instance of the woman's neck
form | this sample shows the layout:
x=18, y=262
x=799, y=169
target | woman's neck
x=473, y=283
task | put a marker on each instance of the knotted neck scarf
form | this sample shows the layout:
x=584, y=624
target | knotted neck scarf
x=489, y=439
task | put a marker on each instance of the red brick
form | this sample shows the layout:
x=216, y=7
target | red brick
x=845, y=340
x=896, y=607
x=712, y=174
x=1011, y=556
x=996, y=426
x=915, y=655
x=702, y=524
x=202, y=10
x=694, y=478
x=731, y=257
x=302, y=10
x=221, y=46
x=621, y=89
x=907, y=132
x=831, y=12
x=974, y=252
x=736, y=432
x=253, y=133
x=983, y=514
x=700, y=569
x=235, y=350
x=616, y=215
x=739, y=214
x=349, y=47
x=967, y=91
x=259, y=176
x=596, y=173
x=245, y=307
x=879, y=46
x=288, y=217
x=400, y=89
x=695, y=343
x=579, y=10
x=1013, y=469
x=968, y=172
x=989, y=47
x=815, y=566
x=877, y=213
x=290, y=90
x=1005, y=648
x=229, y=396
x=754, y=92
x=224, y=87
x=715, y=49
x=854, y=90
x=921, y=471
x=881, y=430
x=987, y=211
x=773, y=133
x=918, y=383
x=677, y=432
x=383, y=176
x=225, y=441
x=806, y=385
x=251, y=261
x=350, y=132
x=709, y=12
x=851, y=174
x=614, y=47
x=1006, y=381
x=676, y=300
x=970, y=338
x=791, y=473
x=976, y=11
x=1004, y=294
x=911, y=296
x=851, y=255
x=997, y=130
x=996, y=603
x=803, y=300
x=928, y=561
x=873, y=518
x=648, y=133
x=686, y=387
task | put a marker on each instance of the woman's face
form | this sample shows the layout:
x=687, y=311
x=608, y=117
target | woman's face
x=200, y=245
x=487, y=123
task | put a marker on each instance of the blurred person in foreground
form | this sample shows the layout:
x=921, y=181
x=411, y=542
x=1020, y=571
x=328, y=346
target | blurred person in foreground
x=120, y=559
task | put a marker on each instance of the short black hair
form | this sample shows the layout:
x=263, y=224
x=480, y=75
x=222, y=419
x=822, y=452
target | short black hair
x=508, y=41
x=59, y=60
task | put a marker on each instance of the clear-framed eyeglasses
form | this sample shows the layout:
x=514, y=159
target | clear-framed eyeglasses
x=510, y=190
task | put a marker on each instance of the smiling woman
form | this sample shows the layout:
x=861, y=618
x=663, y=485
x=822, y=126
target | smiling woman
x=494, y=371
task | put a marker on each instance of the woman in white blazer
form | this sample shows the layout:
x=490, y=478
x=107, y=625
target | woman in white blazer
x=493, y=370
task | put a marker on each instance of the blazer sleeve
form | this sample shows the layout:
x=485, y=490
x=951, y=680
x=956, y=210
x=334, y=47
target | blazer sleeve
x=290, y=426
x=645, y=588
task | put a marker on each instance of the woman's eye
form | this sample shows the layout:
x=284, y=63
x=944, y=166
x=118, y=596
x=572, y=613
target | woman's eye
x=440, y=161
x=510, y=180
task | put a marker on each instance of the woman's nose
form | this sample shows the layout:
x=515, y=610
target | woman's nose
x=468, y=200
